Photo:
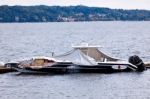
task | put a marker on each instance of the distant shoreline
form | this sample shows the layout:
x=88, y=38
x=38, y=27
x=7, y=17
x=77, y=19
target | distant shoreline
x=23, y=14
x=70, y=22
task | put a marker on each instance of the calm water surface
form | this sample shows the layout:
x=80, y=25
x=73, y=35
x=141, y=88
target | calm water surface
x=118, y=39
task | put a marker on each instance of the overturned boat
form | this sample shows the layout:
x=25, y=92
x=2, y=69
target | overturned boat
x=83, y=59
x=40, y=65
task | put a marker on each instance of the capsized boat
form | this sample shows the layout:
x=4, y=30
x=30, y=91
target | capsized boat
x=82, y=58
x=41, y=65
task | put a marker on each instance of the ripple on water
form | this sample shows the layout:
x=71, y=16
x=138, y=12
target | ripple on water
x=34, y=39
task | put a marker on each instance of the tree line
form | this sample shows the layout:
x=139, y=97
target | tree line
x=43, y=13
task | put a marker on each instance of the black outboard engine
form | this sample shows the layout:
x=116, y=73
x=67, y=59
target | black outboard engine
x=135, y=60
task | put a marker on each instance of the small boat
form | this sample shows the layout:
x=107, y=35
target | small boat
x=87, y=58
x=82, y=58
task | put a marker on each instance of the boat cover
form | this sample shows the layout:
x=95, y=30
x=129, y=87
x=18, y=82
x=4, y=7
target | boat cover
x=96, y=54
x=77, y=57
x=85, y=56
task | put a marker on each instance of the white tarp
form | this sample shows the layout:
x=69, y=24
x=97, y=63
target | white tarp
x=77, y=57
x=95, y=53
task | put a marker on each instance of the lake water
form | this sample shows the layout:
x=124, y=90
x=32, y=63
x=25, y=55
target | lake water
x=118, y=39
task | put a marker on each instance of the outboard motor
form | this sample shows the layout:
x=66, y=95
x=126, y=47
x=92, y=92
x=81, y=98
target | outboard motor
x=135, y=60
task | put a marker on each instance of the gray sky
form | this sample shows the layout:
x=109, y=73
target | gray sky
x=125, y=4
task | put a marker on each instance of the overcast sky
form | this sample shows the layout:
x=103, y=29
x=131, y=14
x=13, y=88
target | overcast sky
x=125, y=4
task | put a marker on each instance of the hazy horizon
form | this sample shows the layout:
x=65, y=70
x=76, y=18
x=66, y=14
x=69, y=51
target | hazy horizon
x=75, y=5
x=114, y=4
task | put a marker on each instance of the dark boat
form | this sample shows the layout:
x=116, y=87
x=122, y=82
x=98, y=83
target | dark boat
x=69, y=67
x=82, y=59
